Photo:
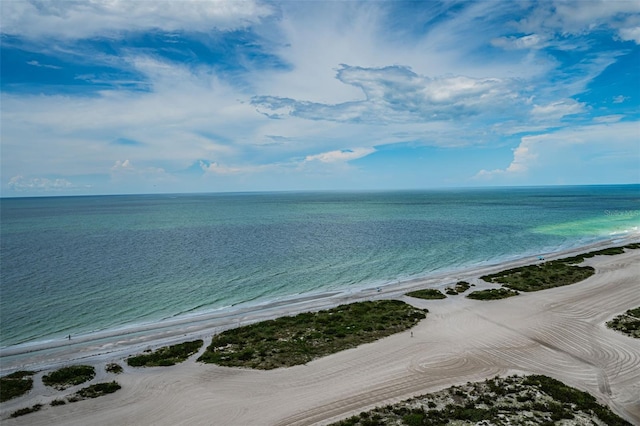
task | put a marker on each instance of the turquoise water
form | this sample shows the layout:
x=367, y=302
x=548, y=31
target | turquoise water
x=73, y=265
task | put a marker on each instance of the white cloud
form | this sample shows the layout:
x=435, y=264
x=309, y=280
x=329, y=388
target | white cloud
x=397, y=94
x=563, y=152
x=38, y=64
x=125, y=170
x=620, y=99
x=86, y=19
x=21, y=184
x=632, y=34
x=613, y=118
x=531, y=41
x=431, y=85
x=558, y=109
x=577, y=17
x=342, y=155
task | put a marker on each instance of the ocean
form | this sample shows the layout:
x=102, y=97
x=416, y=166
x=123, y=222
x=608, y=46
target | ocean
x=78, y=265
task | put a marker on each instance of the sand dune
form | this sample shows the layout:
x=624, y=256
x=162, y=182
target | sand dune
x=558, y=332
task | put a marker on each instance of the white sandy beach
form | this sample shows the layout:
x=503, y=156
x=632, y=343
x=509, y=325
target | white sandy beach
x=558, y=332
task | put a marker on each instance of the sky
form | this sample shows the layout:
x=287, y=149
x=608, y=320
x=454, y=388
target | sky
x=161, y=96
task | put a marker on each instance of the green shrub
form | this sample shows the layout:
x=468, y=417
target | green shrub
x=69, y=376
x=295, y=340
x=429, y=294
x=492, y=294
x=15, y=384
x=540, y=277
x=23, y=411
x=113, y=368
x=462, y=286
x=627, y=323
x=166, y=356
x=99, y=389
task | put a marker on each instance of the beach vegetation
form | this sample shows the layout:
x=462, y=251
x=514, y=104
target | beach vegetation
x=538, y=400
x=57, y=402
x=492, y=294
x=167, y=355
x=113, y=368
x=294, y=340
x=69, y=376
x=554, y=273
x=627, y=323
x=27, y=410
x=97, y=390
x=15, y=384
x=428, y=293
x=462, y=286
x=539, y=277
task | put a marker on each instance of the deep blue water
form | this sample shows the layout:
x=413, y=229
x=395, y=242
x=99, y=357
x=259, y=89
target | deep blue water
x=73, y=265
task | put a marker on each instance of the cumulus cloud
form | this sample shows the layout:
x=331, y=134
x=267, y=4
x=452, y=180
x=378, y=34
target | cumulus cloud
x=631, y=34
x=86, y=19
x=397, y=94
x=562, y=152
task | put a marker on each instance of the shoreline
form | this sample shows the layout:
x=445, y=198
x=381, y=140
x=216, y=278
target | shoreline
x=559, y=332
x=128, y=340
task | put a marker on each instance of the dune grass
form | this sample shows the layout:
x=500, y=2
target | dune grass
x=539, y=277
x=511, y=400
x=554, y=273
x=167, y=355
x=95, y=391
x=460, y=287
x=113, y=368
x=294, y=340
x=627, y=323
x=15, y=384
x=492, y=294
x=428, y=294
x=27, y=410
x=69, y=376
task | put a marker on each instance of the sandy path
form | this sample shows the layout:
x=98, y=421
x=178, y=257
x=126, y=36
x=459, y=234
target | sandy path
x=559, y=332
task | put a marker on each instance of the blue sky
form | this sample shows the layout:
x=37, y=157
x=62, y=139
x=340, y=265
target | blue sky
x=108, y=97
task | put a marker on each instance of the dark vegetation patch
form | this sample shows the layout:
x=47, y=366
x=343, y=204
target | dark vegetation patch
x=113, y=368
x=15, y=384
x=165, y=356
x=627, y=323
x=492, y=294
x=69, y=376
x=27, y=410
x=539, y=277
x=95, y=391
x=428, y=293
x=460, y=287
x=554, y=273
x=294, y=340
x=499, y=401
